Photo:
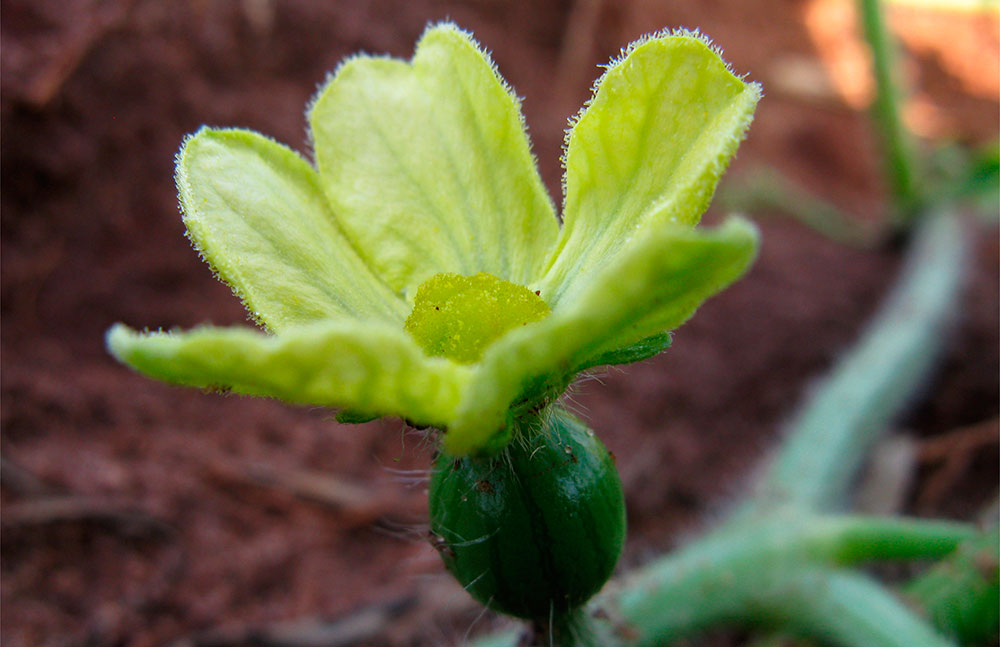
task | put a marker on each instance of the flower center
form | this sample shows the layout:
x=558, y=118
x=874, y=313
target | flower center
x=457, y=316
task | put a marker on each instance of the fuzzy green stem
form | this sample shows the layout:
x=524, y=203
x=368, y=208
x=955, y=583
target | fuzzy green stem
x=848, y=609
x=719, y=578
x=576, y=629
x=847, y=413
x=900, y=160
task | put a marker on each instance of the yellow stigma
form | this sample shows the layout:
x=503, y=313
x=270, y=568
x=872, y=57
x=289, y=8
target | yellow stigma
x=458, y=316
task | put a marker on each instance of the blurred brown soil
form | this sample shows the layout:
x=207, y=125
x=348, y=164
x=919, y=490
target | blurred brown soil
x=139, y=514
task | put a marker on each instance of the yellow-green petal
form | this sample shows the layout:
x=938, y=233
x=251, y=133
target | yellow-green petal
x=255, y=211
x=427, y=165
x=655, y=286
x=365, y=367
x=647, y=151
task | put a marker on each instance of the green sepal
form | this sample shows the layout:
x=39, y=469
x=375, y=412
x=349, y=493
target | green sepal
x=349, y=417
x=643, y=349
x=539, y=392
x=361, y=367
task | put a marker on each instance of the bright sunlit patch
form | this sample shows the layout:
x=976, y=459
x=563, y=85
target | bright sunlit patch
x=457, y=316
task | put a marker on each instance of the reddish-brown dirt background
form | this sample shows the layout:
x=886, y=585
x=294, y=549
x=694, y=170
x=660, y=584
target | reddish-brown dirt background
x=139, y=514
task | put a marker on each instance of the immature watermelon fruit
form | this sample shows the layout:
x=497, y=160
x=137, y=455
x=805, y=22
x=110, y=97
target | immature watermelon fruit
x=537, y=529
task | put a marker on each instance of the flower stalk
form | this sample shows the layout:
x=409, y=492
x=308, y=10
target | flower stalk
x=901, y=162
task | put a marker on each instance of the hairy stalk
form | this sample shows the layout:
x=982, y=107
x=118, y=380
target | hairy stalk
x=849, y=609
x=846, y=414
x=900, y=159
x=720, y=578
x=576, y=629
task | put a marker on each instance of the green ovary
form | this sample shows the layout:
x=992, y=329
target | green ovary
x=457, y=316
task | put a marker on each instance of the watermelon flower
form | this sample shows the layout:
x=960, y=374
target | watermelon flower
x=419, y=270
